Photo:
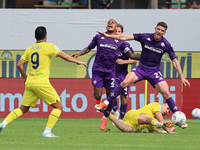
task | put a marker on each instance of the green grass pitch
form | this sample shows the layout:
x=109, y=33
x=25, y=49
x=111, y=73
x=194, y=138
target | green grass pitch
x=85, y=134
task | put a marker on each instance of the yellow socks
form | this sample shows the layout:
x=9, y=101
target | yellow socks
x=111, y=116
x=53, y=118
x=154, y=122
x=13, y=115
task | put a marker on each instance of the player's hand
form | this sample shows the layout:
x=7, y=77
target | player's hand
x=75, y=55
x=168, y=124
x=172, y=130
x=185, y=82
x=25, y=80
x=82, y=63
x=103, y=33
x=120, y=61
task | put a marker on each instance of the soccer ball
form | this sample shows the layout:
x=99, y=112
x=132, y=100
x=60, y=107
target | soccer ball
x=196, y=113
x=178, y=118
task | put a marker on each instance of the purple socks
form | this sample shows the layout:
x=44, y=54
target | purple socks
x=172, y=105
x=116, y=92
x=123, y=109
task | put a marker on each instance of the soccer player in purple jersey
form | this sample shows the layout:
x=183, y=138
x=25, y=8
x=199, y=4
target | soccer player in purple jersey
x=103, y=70
x=121, y=72
x=153, y=47
x=104, y=67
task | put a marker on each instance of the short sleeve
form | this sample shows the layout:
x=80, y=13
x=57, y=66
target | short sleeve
x=171, y=52
x=54, y=50
x=93, y=43
x=24, y=57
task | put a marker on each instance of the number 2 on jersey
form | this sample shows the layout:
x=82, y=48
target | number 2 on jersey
x=35, y=60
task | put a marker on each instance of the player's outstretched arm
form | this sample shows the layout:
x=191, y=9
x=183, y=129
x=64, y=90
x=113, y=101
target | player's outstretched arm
x=70, y=59
x=160, y=118
x=121, y=61
x=133, y=56
x=83, y=52
x=177, y=66
x=121, y=37
x=171, y=130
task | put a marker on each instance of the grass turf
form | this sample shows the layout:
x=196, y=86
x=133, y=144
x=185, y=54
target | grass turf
x=85, y=134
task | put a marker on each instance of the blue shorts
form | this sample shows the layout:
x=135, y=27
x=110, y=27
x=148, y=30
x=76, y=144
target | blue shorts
x=152, y=74
x=102, y=79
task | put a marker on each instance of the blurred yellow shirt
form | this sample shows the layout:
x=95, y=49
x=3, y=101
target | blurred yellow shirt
x=150, y=109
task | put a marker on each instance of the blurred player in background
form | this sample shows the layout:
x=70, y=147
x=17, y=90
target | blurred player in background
x=154, y=45
x=37, y=84
x=121, y=72
x=149, y=116
x=104, y=67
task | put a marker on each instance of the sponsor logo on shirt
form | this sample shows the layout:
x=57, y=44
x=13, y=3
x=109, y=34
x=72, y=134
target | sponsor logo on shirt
x=148, y=39
x=157, y=50
x=111, y=46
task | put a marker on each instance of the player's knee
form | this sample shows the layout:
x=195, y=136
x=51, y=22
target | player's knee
x=166, y=94
x=123, y=101
x=57, y=105
x=60, y=106
x=128, y=130
x=24, y=109
x=124, y=84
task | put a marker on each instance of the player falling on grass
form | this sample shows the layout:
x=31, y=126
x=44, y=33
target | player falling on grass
x=149, y=116
x=121, y=72
x=37, y=84
x=154, y=45
x=104, y=67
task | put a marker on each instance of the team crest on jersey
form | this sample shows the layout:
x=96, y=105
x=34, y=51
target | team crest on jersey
x=162, y=44
x=57, y=48
x=102, y=38
x=120, y=55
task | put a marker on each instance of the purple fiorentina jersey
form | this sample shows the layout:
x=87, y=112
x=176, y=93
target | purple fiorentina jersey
x=107, y=53
x=153, y=50
x=122, y=70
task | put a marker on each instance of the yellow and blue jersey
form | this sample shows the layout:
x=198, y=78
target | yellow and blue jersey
x=39, y=56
